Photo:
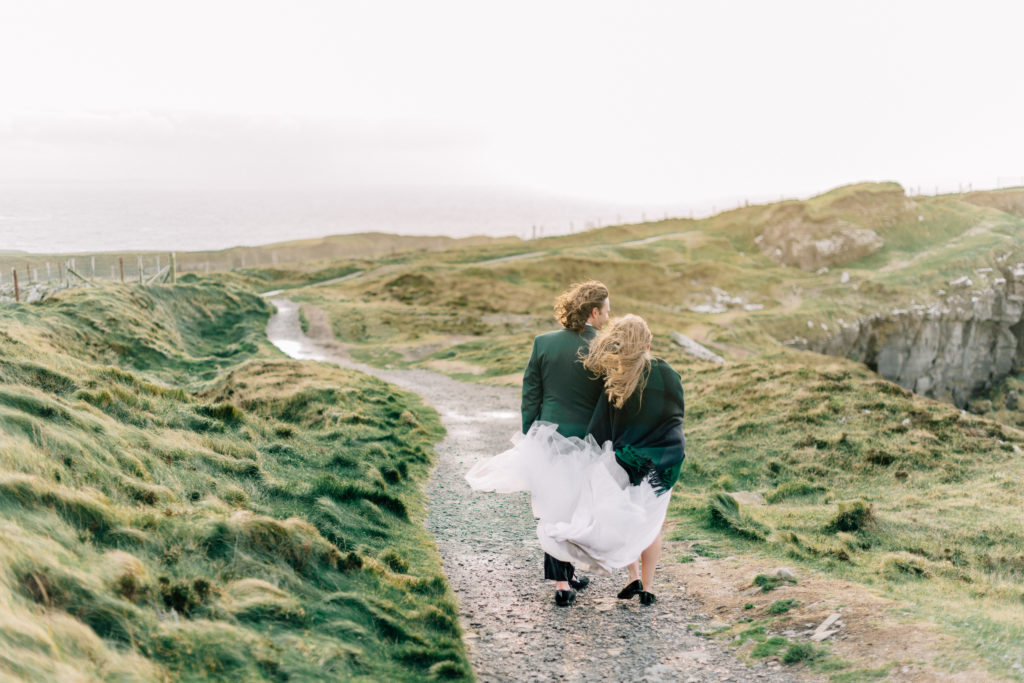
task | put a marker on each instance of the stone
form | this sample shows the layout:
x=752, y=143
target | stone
x=747, y=497
x=1012, y=400
x=694, y=349
x=656, y=672
x=784, y=573
x=794, y=238
x=824, y=630
x=961, y=282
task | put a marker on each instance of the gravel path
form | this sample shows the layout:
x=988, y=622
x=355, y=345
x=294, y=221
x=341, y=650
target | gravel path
x=490, y=553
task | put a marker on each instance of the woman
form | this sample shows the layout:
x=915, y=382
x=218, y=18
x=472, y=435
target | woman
x=602, y=506
x=641, y=414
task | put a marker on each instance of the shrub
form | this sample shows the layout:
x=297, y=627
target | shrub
x=800, y=652
x=770, y=583
x=899, y=566
x=852, y=515
x=782, y=606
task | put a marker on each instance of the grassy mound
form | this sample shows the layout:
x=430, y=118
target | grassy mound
x=178, y=501
x=863, y=480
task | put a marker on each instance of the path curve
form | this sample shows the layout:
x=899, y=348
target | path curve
x=491, y=556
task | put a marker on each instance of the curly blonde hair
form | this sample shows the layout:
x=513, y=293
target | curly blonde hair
x=573, y=306
x=621, y=355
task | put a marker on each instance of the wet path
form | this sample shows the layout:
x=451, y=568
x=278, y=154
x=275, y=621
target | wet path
x=491, y=556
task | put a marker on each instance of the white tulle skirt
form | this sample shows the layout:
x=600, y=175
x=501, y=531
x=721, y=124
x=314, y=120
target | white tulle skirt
x=588, y=512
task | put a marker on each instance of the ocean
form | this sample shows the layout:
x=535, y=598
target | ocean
x=68, y=218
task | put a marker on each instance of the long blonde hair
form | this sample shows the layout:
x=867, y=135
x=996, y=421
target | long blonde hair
x=621, y=355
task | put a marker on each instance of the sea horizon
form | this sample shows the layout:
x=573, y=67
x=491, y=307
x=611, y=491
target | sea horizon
x=61, y=218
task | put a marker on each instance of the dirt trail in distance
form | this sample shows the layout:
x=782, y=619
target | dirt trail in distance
x=490, y=554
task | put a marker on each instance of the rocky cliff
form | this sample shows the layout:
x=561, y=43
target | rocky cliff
x=965, y=343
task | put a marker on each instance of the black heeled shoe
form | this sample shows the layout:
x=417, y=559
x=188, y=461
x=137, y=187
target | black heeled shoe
x=565, y=598
x=635, y=588
x=579, y=582
x=647, y=598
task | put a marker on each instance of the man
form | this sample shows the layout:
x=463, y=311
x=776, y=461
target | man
x=557, y=389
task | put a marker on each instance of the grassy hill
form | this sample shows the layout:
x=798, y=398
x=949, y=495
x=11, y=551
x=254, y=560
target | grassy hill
x=273, y=259
x=179, y=501
x=862, y=479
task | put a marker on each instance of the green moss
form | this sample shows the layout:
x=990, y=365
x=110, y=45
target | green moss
x=770, y=583
x=769, y=648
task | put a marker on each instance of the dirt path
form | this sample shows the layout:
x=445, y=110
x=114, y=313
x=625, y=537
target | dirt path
x=490, y=553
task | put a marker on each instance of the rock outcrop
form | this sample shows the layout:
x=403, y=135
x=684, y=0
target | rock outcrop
x=796, y=241
x=695, y=349
x=835, y=228
x=950, y=350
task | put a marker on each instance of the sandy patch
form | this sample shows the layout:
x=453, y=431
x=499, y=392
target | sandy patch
x=513, y=380
x=455, y=367
x=872, y=631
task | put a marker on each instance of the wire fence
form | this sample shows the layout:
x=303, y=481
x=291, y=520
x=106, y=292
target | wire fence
x=38, y=279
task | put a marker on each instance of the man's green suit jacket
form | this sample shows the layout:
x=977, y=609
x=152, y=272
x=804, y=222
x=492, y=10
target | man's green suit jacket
x=556, y=387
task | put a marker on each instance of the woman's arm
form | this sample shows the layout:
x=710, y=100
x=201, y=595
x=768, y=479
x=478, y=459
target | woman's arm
x=600, y=426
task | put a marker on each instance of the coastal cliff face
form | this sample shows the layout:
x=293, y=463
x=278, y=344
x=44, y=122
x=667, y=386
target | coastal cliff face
x=949, y=350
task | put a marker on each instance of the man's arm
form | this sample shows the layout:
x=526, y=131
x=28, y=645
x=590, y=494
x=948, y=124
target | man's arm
x=533, y=389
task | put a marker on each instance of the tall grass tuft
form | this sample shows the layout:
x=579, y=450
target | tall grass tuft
x=723, y=512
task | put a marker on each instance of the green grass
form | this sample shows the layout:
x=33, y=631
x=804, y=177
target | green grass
x=863, y=480
x=782, y=606
x=178, y=501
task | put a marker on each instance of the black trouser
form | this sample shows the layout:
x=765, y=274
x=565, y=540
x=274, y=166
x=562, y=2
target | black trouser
x=557, y=570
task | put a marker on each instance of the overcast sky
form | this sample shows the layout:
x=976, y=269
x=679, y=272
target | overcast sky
x=656, y=101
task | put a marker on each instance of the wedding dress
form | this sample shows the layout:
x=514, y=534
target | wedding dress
x=588, y=513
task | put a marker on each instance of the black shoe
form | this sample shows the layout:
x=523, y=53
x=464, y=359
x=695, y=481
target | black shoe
x=647, y=598
x=632, y=589
x=580, y=582
x=565, y=598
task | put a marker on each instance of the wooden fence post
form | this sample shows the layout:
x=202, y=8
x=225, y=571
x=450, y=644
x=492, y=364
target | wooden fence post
x=60, y=273
x=174, y=266
x=120, y=260
x=17, y=294
x=140, y=269
x=92, y=271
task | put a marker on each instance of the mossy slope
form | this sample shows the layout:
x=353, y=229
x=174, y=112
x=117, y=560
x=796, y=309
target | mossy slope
x=176, y=501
